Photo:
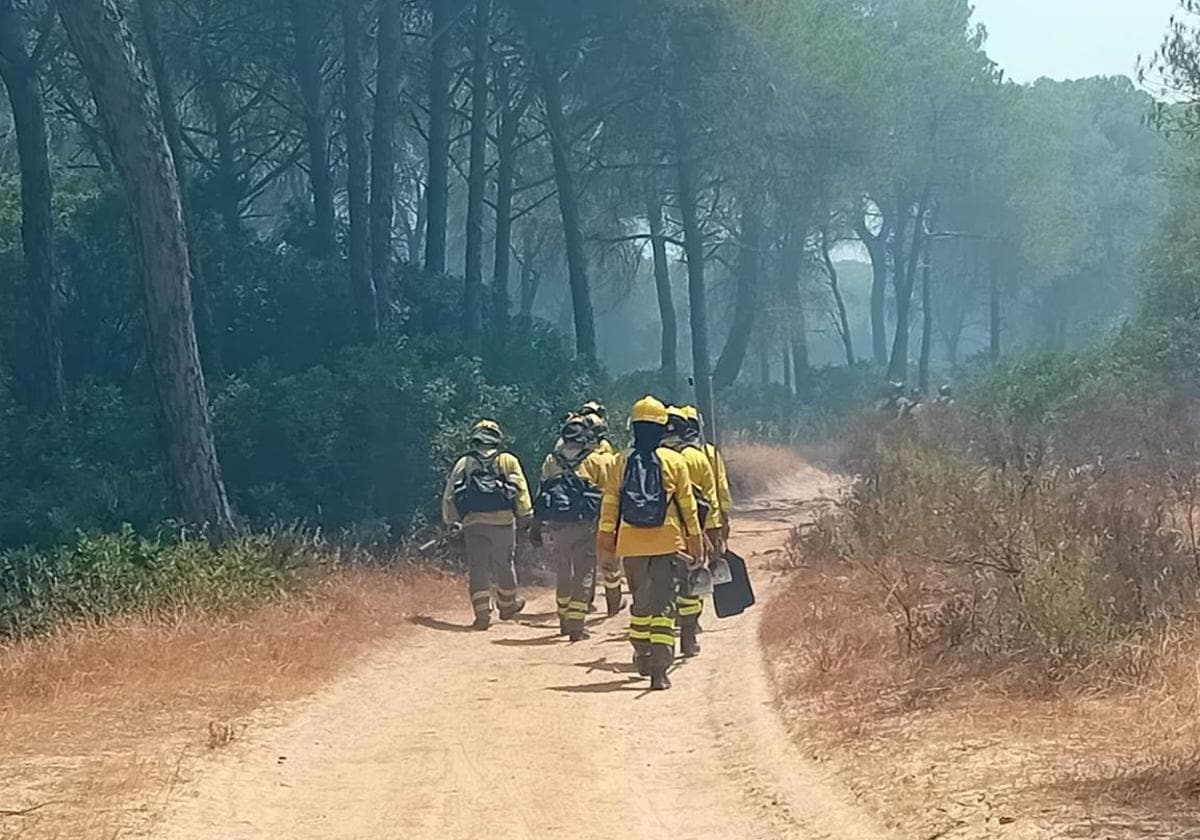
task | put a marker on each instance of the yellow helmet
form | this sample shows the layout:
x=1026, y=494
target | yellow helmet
x=649, y=410
x=487, y=432
x=676, y=420
x=691, y=412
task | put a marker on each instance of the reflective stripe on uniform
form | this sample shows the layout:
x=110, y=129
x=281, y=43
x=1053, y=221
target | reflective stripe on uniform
x=662, y=630
x=484, y=597
x=506, y=596
x=563, y=605
x=686, y=607
x=576, y=611
x=639, y=628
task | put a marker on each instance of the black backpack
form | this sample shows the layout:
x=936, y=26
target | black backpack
x=643, y=497
x=568, y=496
x=483, y=487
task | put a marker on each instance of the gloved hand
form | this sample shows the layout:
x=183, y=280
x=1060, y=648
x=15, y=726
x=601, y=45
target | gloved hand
x=535, y=533
x=695, y=550
x=454, y=532
x=606, y=543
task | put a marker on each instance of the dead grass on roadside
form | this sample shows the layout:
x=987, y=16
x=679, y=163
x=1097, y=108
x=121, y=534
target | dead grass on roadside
x=758, y=468
x=943, y=744
x=144, y=692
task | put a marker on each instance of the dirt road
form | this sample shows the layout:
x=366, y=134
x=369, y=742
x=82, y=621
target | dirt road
x=516, y=734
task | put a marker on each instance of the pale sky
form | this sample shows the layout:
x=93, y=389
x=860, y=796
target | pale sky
x=1070, y=39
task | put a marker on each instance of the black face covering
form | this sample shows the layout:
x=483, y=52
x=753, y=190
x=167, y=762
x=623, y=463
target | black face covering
x=647, y=436
x=692, y=435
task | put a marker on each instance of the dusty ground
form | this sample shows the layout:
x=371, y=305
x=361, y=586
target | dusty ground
x=440, y=732
x=446, y=733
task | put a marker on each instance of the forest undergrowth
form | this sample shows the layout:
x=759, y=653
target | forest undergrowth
x=1002, y=611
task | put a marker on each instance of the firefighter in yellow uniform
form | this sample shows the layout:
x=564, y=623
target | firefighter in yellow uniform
x=718, y=527
x=487, y=495
x=647, y=512
x=567, y=509
x=596, y=416
x=704, y=488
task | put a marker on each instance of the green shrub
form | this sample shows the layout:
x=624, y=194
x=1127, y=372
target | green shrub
x=96, y=577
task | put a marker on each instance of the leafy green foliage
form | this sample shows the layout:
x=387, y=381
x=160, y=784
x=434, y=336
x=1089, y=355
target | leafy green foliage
x=97, y=577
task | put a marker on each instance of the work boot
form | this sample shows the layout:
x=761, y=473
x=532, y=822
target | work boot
x=615, y=602
x=579, y=635
x=509, y=613
x=482, y=621
x=688, y=645
x=563, y=630
x=642, y=663
x=659, y=681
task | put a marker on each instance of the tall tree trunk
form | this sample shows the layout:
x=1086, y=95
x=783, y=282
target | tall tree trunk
x=437, y=193
x=835, y=288
x=206, y=330
x=693, y=248
x=669, y=321
x=906, y=281
x=745, y=307
x=229, y=187
x=477, y=178
x=529, y=281
x=101, y=40
x=791, y=263
x=383, y=153
x=309, y=58
x=362, y=284
x=994, y=304
x=876, y=245
x=37, y=220
x=568, y=204
x=926, y=318
x=764, y=359
x=787, y=361
x=506, y=170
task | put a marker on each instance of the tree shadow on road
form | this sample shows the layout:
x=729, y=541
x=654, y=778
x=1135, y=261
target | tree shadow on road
x=442, y=626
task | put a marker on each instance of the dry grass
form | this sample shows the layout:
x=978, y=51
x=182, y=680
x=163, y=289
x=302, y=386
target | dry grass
x=945, y=744
x=102, y=721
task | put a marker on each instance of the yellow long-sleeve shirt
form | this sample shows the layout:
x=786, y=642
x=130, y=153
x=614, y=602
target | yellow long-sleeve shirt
x=506, y=463
x=681, y=519
x=703, y=478
x=724, y=499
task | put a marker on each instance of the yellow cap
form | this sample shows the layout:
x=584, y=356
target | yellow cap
x=486, y=425
x=676, y=411
x=691, y=412
x=649, y=410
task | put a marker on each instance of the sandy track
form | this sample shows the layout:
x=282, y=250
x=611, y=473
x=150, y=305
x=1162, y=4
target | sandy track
x=516, y=735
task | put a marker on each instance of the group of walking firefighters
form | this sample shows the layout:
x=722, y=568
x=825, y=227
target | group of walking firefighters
x=654, y=514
